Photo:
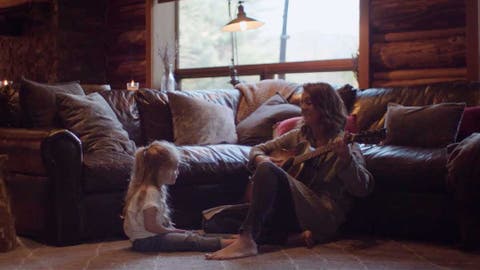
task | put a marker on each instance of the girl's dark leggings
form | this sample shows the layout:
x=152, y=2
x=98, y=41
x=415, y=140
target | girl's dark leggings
x=271, y=216
x=169, y=242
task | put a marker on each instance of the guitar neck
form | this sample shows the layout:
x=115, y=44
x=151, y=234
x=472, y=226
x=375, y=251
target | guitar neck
x=317, y=152
x=367, y=136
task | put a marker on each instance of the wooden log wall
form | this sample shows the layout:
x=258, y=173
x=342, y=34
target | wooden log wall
x=417, y=42
x=30, y=52
x=81, y=41
x=126, y=43
x=62, y=40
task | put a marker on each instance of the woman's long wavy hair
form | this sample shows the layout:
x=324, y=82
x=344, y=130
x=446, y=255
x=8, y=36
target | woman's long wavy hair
x=326, y=101
x=150, y=161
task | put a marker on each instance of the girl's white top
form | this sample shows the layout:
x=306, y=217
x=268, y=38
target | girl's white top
x=133, y=225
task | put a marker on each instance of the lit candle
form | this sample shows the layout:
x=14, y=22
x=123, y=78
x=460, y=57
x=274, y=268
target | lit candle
x=5, y=82
x=132, y=85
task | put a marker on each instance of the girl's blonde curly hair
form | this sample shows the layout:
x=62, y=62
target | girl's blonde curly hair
x=150, y=161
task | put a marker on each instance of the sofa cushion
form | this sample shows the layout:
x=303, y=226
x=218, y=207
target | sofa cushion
x=155, y=115
x=125, y=107
x=106, y=171
x=94, y=122
x=258, y=126
x=423, y=126
x=212, y=164
x=371, y=104
x=255, y=94
x=470, y=122
x=200, y=122
x=406, y=169
x=37, y=101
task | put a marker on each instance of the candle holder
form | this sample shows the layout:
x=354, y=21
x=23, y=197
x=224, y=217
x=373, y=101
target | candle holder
x=9, y=105
x=133, y=85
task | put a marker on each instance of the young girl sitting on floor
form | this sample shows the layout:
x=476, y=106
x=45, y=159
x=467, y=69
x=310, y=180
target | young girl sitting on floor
x=147, y=215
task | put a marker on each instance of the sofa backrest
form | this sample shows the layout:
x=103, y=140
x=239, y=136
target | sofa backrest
x=125, y=107
x=155, y=114
x=370, y=105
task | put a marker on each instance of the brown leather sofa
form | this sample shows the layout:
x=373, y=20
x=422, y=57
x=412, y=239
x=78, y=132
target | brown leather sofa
x=418, y=192
x=62, y=196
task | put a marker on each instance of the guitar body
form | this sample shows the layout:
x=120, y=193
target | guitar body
x=287, y=156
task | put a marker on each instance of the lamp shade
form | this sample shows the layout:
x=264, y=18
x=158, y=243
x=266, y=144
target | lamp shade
x=242, y=22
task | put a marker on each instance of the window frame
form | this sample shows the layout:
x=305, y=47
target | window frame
x=269, y=70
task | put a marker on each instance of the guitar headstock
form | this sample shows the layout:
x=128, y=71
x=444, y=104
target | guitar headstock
x=369, y=136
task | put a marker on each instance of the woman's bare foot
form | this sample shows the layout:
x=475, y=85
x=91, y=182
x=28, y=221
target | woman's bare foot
x=226, y=242
x=232, y=236
x=243, y=246
x=300, y=239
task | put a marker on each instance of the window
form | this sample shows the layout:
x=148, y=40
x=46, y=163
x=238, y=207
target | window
x=322, y=36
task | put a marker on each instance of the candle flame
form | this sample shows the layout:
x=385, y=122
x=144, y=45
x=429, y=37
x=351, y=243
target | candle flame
x=5, y=82
x=132, y=83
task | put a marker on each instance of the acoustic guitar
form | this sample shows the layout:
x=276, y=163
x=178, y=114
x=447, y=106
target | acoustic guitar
x=293, y=160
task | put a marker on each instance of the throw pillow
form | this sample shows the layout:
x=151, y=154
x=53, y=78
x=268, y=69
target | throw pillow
x=470, y=122
x=90, y=88
x=351, y=124
x=37, y=101
x=423, y=126
x=200, y=122
x=257, y=127
x=286, y=125
x=94, y=122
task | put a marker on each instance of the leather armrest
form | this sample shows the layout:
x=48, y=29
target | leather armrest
x=57, y=155
x=23, y=146
x=63, y=157
x=464, y=180
x=464, y=162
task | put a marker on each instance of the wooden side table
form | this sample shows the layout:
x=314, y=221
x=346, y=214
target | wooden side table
x=8, y=237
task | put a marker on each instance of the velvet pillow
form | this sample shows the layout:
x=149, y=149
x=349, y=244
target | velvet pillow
x=257, y=127
x=200, y=122
x=423, y=126
x=37, y=101
x=470, y=122
x=94, y=122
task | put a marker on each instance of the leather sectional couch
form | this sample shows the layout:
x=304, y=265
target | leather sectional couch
x=61, y=195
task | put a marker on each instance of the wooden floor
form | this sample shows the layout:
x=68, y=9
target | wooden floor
x=342, y=254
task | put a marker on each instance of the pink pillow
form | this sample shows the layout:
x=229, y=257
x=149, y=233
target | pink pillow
x=288, y=124
x=351, y=125
x=470, y=122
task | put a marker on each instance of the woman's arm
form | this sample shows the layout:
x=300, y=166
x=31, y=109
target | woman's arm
x=261, y=151
x=357, y=179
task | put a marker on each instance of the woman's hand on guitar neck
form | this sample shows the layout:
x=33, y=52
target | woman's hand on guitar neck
x=264, y=158
x=341, y=149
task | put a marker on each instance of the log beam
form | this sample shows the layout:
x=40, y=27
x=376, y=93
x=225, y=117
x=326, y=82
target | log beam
x=413, y=74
